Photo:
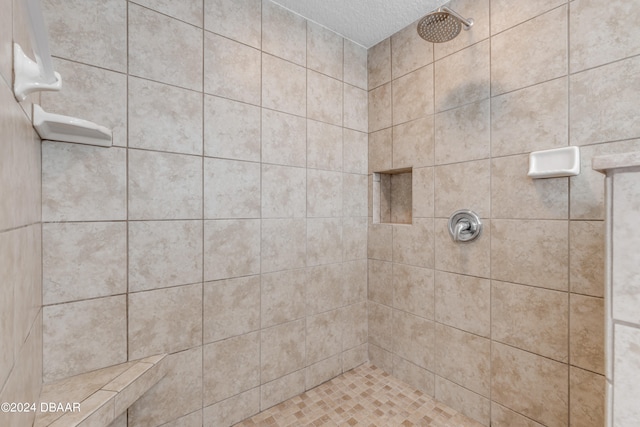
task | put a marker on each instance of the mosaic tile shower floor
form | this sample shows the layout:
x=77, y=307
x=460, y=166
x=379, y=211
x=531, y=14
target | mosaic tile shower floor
x=365, y=396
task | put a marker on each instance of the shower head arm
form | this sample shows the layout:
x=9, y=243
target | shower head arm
x=466, y=23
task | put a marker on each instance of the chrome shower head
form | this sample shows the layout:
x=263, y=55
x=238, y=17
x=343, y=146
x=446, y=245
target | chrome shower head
x=442, y=25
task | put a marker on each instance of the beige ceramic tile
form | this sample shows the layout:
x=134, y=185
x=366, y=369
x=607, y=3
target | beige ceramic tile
x=414, y=375
x=231, y=307
x=413, y=290
x=83, y=260
x=413, y=143
x=283, y=244
x=355, y=151
x=284, y=138
x=515, y=195
x=532, y=385
x=463, y=186
x=324, y=193
x=282, y=389
x=530, y=119
x=409, y=52
x=461, y=399
x=355, y=64
x=282, y=297
x=355, y=281
x=164, y=186
x=463, y=358
x=232, y=69
x=164, y=253
x=532, y=52
x=324, y=146
x=283, y=192
x=238, y=20
x=586, y=333
x=379, y=245
x=379, y=64
x=354, y=198
x=504, y=417
x=413, y=244
x=164, y=118
x=324, y=98
x=178, y=393
x=587, y=398
x=381, y=331
x=354, y=357
x=233, y=410
x=478, y=10
x=355, y=109
x=83, y=336
x=164, y=320
x=473, y=258
x=412, y=95
x=231, y=248
x=284, y=33
x=231, y=189
x=230, y=367
x=82, y=183
x=27, y=293
x=400, y=199
x=323, y=371
x=521, y=248
x=284, y=86
x=463, y=134
x=324, y=287
x=9, y=274
x=422, y=192
x=532, y=319
x=325, y=51
x=282, y=350
x=193, y=419
x=6, y=41
x=380, y=282
x=381, y=358
x=453, y=88
x=323, y=335
x=380, y=151
x=414, y=339
x=78, y=34
x=626, y=364
x=232, y=129
x=463, y=302
x=599, y=110
x=504, y=15
x=354, y=325
x=602, y=34
x=164, y=49
x=324, y=241
x=380, y=108
x=189, y=11
x=121, y=421
x=354, y=238
x=587, y=257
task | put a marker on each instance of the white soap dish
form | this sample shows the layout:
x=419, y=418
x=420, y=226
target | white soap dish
x=556, y=163
x=56, y=127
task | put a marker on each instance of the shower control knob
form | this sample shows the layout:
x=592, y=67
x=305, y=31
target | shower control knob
x=464, y=225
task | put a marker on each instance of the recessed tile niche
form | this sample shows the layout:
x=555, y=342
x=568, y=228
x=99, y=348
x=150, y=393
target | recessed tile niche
x=392, y=198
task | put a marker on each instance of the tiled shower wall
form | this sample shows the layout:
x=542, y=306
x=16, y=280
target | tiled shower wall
x=20, y=233
x=507, y=329
x=228, y=224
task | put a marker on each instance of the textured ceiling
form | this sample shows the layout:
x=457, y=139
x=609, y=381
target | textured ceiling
x=365, y=22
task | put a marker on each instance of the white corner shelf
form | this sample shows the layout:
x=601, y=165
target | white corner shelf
x=556, y=163
x=56, y=127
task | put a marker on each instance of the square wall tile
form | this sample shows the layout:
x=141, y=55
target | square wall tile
x=324, y=193
x=231, y=189
x=231, y=129
x=380, y=108
x=530, y=53
x=463, y=186
x=83, y=336
x=284, y=191
x=235, y=409
x=587, y=398
x=189, y=11
x=463, y=302
x=414, y=375
x=282, y=297
x=164, y=320
x=531, y=319
x=323, y=335
x=283, y=244
x=380, y=150
x=413, y=290
x=463, y=134
x=501, y=416
x=587, y=257
x=284, y=138
x=422, y=192
x=530, y=119
x=83, y=260
x=323, y=371
x=281, y=389
x=356, y=108
x=413, y=95
x=231, y=307
x=284, y=86
x=231, y=248
x=627, y=361
x=414, y=244
x=380, y=282
x=355, y=281
x=503, y=16
x=27, y=289
x=381, y=358
x=413, y=143
x=164, y=49
x=478, y=10
x=91, y=32
x=282, y=350
x=454, y=88
x=461, y=399
x=324, y=146
x=164, y=186
x=230, y=367
x=586, y=333
x=238, y=20
x=9, y=275
x=164, y=118
x=324, y=241
x=381, y=330
x=284, y=33
x=354, y=238
x=164, y=253
x=379, y=64
x=325, y=51
x=354, y=325
x=355, y=357
x=408, y=52
x=354, y=200
x=472, y=258
x=83, y=183
x=379, y=241
x=232, y=69
x=414, y=339
x=355, y=64
x=324, y=98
